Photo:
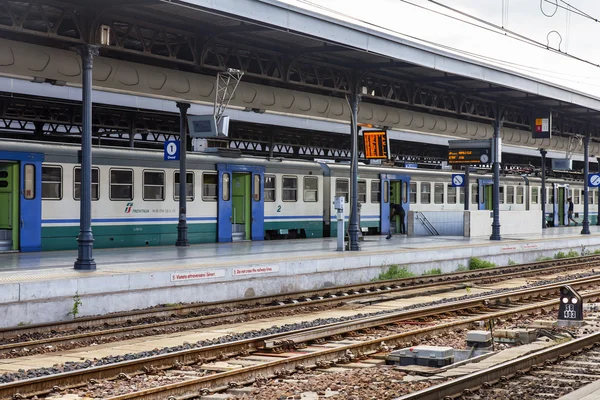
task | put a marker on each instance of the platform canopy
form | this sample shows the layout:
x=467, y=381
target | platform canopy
x=280, y=45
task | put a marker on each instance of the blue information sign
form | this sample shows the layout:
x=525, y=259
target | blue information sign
x=172, y=150
x=458, y=180
x=594, y=180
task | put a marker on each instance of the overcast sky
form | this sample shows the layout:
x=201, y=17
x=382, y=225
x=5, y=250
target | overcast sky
x=580, y=36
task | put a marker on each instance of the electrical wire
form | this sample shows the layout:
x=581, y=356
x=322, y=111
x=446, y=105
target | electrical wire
x=495, y=29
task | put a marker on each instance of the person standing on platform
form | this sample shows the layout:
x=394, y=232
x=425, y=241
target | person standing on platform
x=571, y=212
x=396, y=209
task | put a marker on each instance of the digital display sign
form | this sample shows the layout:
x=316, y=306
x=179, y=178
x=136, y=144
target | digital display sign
x=376, y=144
x=469, y=152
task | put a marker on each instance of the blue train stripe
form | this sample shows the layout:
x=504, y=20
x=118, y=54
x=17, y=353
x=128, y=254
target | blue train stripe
x=115, y=220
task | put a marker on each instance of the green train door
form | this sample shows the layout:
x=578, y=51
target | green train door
x=397, y=196
x=241, y=213
x=9, y=206
x=559, y=200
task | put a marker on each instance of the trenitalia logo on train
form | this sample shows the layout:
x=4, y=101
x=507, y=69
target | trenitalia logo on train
x=129, y=209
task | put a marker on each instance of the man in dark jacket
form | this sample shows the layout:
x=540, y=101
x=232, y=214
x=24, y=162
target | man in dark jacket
x=396, y=209
x=570, y=214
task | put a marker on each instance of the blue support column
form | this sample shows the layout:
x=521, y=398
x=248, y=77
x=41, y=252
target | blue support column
x=182, y=228
x=85, y=239
x=353, y=228
x=496, y=198
x=598, y=215
x=543, y=189
x=585, y=228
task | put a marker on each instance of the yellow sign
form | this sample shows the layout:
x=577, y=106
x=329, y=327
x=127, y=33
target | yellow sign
x=376, y=144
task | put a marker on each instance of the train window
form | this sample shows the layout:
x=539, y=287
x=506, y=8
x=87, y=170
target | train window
x=510, y=195
x=311, y=189
x=256, y=187
x=77, y=183
x=550, y=196
x=576, y=197
x=121, y=184
x=501, y=197
x=289, y=188
x=51, y=182
x=375, y=191
x=412, y=194
x=438, y=194
x=590, y=197
x=210, y=181
x=29, y=182
x=595, y=196
x=582, y=196
x=519, y=194
x=474, y=194
x=451, y=194
x=425, y=193
x=341, y=188
x=269, y=188
x=189, y=186
x=153, y=183
x=386, y=191
x=362, y=191
x=461, y=197
x=534, y=195
x=226, y=186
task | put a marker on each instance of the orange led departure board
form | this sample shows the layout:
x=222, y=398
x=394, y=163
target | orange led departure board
x=469, y=152
x=376, y=144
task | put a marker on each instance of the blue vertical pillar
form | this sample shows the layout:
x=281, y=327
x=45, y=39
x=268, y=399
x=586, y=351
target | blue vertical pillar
x=182, y=228
x=85, y=239
x=585, y=226
x=353, y=228
x=496, y=198
x=598, y=215
x=543, y=190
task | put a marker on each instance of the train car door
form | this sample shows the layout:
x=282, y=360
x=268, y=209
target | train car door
x=560, y=204
x=394, y=189
x=20, y=201
x=486, y=194
x=240, y=203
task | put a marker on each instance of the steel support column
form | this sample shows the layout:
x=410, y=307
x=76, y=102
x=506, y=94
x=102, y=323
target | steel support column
x=467, y=189
x=353, y=228
x=585, y=228
x=85, y=239
x=182, y=228
x=543, y=189
x=496, y=198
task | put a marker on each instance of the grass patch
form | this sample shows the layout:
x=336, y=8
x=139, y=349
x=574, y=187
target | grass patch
x=596, y=251
x=394, y=272
x=543, y=258
x=511, y=262
x=462, y=268
x=478, y=263
x=570, y=254
x=433, y=271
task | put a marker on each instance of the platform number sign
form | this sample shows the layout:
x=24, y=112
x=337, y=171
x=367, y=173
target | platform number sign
x=171, y=150
x=458, y=180
x=594, y=180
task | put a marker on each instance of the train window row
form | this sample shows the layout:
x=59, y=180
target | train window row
x=121, y=185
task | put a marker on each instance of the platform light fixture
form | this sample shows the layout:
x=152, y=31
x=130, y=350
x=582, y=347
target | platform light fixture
x=104, y=35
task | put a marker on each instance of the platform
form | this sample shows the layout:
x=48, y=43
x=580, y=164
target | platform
x=39, y=287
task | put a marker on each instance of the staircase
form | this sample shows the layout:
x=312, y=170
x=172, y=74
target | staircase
x=238, y=232
x=5, y=239
x=428, y=225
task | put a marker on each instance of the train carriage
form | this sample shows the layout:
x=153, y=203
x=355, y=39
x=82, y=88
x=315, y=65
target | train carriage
x=135, y=197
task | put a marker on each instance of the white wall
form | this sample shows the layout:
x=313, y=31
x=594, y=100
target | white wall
x=479, y=223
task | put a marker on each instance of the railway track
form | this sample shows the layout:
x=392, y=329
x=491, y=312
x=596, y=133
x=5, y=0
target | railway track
x=284, y=352
x=547, y=374
x=148, y=322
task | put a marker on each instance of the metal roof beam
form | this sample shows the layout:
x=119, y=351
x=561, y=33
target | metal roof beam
x=446, y=78
x=387, y=64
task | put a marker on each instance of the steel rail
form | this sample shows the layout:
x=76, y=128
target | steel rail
x=329, y=296
x=46, y=383
x=248, y=375
x=507, y=369
x=229, y=317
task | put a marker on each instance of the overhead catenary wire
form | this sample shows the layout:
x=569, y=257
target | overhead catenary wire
x=495, y=29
